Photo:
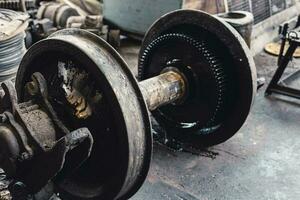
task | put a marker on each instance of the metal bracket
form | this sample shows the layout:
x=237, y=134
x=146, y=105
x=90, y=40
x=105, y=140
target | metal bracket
x=38, y=146
x=277, y=85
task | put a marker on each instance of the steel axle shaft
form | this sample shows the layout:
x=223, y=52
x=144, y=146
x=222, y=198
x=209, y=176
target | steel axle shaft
x=163, y=89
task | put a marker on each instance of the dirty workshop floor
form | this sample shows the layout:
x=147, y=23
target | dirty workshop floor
x=262, y=161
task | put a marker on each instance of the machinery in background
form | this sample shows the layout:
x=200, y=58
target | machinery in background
x=89, y=7
x=18, y=5
x=118, y=17
x=278, y=86
x=134, y=18
x=95, y=24
x=242, y=21
x=57, y=12
x=53, y=16
x=47, y=17
x=77, y=121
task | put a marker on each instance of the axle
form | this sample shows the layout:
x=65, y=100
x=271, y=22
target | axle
x=163, y=89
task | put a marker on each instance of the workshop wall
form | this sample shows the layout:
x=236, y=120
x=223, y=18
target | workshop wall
x=261, y=9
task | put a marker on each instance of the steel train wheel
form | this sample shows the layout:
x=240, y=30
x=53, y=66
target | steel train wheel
x=220, y=72
x=76, y=59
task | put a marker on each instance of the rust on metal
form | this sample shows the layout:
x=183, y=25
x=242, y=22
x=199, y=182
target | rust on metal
x=163, y=89
x=73, y=85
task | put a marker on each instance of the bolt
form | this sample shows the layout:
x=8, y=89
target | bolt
x=24, y=156
x=18, y=186
x=3, y=118
x=18, y=190
x=32, y=88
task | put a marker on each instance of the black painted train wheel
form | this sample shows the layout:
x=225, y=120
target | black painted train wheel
x=118, y=118
x=220, y=73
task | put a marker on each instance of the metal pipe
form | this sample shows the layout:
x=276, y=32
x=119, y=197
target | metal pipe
x=166, y=88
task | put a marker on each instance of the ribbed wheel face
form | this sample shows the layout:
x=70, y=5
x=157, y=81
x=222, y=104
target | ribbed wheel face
x=220, y=74
x=90, y=86
x=205, y=102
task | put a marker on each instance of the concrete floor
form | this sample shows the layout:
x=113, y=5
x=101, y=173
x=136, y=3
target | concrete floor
x=261, y=161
